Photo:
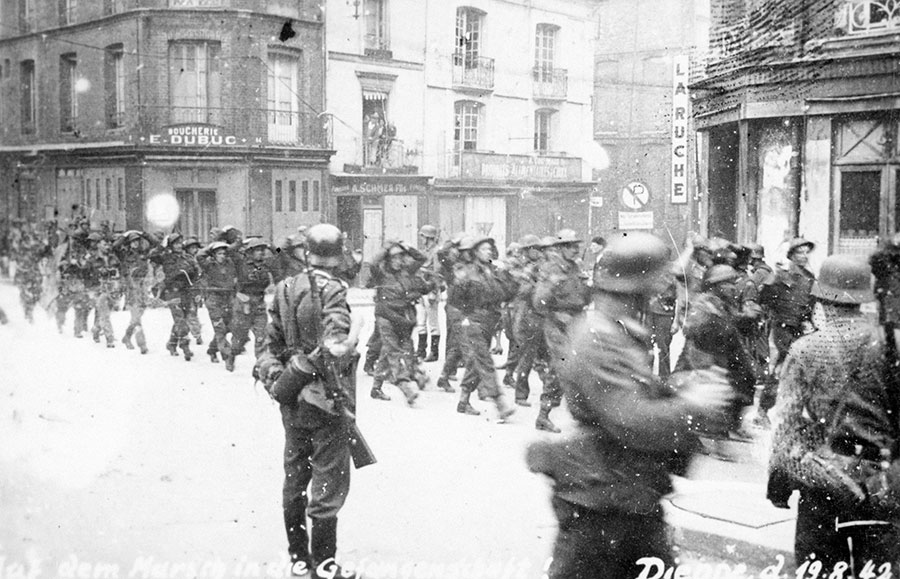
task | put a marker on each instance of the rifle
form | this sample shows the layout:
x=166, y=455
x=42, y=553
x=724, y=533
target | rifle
x=336, y=390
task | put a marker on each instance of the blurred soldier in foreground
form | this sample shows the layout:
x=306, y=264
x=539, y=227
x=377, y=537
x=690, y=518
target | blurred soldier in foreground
x=633, y=429
x=310, y=323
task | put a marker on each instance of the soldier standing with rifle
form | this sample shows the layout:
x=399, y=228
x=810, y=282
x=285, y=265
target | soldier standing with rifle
x=309, y=368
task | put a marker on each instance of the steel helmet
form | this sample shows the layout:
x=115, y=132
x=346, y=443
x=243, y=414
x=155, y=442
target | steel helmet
x=530, y=241
x=132, y=235
x=217, y=246
x=513, y=248
x=717, y=274
x=548, y=241
x=192, y=241
x=797, y=243
x=632, y=263
x=566, y=236
x=757, y=251
x=325, y=245
x=255, y=243
x=844, y=279
x=471, y=242
x=171, y=239
x=429, y=231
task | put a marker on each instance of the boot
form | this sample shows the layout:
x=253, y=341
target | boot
x=543, y=421
x=323, y=543
x=509, y=379
x=213, y=357
x=229, y=363
x=504, y=410
x=186, y=348
x=464, y=407
x=445, y=385
x=172, y=347
x=523, y=402
x=410, y=391
x=377, y=393
x=369, y=367
x=95, y=333
x=435, y=347
x=126, y=339
x=423, y=346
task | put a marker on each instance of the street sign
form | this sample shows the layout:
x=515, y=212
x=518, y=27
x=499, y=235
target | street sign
x=596, y=201
x=635, y=220
x=635, y=195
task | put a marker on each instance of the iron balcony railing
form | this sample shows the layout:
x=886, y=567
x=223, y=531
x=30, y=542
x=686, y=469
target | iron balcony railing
x=550, y=83
x=384, y=155
x=470, y=71
x=869, y=16
x=249, y=126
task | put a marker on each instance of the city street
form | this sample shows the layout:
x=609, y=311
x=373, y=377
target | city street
x=116, y=464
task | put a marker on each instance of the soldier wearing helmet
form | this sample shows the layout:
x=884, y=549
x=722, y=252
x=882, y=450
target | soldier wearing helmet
x=398, y=287
x=220, y=284
x=427, y=323
x=255, y=273
x=192, y=247
x=527, y=325
x=560, y=295
x=480, y=289
x=448, y=257
x=291, y=256
x=834, y=393
x=101, y=282
x=181, y=272
x=712, y=338
x=786, y=295
x=306, y=318
x=131, y=250
x=633, y=429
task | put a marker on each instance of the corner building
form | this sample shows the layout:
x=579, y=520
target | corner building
x=109, y=104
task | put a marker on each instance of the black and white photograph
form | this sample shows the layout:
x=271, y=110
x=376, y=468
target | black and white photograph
x=449, y=289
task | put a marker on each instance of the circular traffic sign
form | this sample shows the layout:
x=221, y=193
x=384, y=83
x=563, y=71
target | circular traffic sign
x=635, y=195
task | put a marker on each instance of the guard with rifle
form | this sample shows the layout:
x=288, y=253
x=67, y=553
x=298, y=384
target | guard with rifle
x=309, y=368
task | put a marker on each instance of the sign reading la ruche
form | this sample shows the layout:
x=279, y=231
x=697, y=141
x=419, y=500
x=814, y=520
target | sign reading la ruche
x=199, y=135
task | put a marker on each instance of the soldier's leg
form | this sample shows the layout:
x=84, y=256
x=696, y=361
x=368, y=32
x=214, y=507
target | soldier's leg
x=783, y=337
x=298, y=447
x=3, y=319
x=421, y=329
x=483, y=365
x=240, y=326
x=102, y=318
x=373, y=351
x=454, y=353
x=193, y=320
x=82, y=310
x=260, y=319
x=551, y=396
x=523, y=369
x=62, y=308
x=330, y=461
x=136, y=316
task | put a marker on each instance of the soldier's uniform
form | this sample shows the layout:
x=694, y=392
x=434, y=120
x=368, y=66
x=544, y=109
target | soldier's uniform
x=27, y=253
x=102, y=283
x=135, y=270
x=660, y=319
x=219, y=283
x=191, y=246
x=480, y=290
x=71, y=284
x=448, y=257
x=181, y=273
x=527, y=324
x=397, y=292
x=249, y=313
x=427, y=319
x=316, y=450
x=560, y=295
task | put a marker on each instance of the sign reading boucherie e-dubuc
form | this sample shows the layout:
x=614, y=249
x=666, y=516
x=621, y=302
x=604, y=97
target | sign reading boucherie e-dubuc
x=199, y=135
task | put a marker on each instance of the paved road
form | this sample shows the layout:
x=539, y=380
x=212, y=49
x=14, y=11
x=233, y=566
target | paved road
x=121, y=465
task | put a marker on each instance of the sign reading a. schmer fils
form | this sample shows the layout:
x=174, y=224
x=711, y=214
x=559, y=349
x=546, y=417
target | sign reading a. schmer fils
x=680, y=107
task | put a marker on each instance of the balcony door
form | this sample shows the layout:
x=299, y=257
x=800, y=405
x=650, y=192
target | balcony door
x=195, y=82
x=283, y=105
x=197, y=212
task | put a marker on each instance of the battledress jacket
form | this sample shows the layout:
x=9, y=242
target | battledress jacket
x=397, y=292
x=633, y=429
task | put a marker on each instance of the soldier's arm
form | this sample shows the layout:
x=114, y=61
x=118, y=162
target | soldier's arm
x=788, y=443
x=336, y=319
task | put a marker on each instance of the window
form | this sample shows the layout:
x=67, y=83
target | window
x=113, y=7
x=304, y=197
x=29, y=97
x=292, y=197
x=108, y=193
x=88, y=194
x=114, y=86
x=279, y=200
x=283, y=104
x=7, y=68
x=68, y=97
x=468, y=36
x=67, y=12
x=97, y=194
x=315, y=196
x=544, y=51
x=375, y=128
x=120, y=189
x=376, y=25
x=26, y=15
x=194, y=82
x=543, y=119
x=197, y=213
x=465, y=128
x=867, y=16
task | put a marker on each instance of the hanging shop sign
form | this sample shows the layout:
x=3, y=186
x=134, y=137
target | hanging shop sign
x=680, y=105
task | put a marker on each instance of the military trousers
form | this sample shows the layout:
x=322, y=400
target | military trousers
x=136, y=298
x=782, y=336
x=247, y=316
x=316, y=478
x=218, y=306
x=397, y=362
x=427, y=318
x=102, y=309
x=475, y=339
x=178, y=305
x=453, y=354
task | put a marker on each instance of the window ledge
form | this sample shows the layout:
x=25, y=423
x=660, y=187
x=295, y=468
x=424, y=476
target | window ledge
x=878, y=41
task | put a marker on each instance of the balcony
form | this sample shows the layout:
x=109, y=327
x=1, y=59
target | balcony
x=473, y=72
x=550, y=83
x=240, y=126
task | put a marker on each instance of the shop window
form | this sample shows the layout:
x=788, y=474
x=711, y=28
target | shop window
x=68, y=96
x=195, y=82
x=88, y=193
x=108, y=194
x=97, y=195
x=120, y=191
x=279, y=201
x=292, y=196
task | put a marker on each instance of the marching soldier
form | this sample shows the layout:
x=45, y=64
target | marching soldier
x=181, y=273
x=448, y=257
x=527, y=325
x=480, y=290
x=27, y=253
x=254, y=275
x=102, y=279
x=398, y=288
x=220, y=277
x=192, y=247
x=135, y=270
x=291, y=260
x=306, y=318
x=560, y=295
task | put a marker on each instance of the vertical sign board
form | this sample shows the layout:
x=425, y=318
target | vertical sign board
x=680, y=104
